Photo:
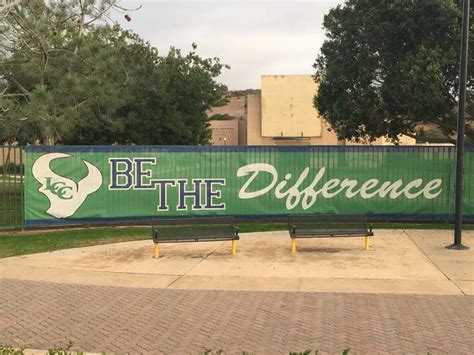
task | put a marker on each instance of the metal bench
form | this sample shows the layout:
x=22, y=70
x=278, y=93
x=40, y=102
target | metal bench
x=328, y=226
x=196, y=229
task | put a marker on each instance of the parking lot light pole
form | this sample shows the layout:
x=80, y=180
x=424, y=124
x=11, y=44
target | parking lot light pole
x=457, y=245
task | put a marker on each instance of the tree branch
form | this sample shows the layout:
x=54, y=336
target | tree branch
x=13, y=95
x=99, y=15
x=17, y=84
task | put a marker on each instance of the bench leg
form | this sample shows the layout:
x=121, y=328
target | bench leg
x=366, y=246
x=234, y=247
x=293, y=245
x=157, y=251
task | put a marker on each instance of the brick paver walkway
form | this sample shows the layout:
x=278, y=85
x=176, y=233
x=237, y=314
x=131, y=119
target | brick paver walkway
x=125, y=320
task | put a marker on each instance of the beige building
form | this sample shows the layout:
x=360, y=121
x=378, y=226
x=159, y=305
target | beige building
x=282, y=113
x=225, y=132
x=11, y=155
x=230, y=128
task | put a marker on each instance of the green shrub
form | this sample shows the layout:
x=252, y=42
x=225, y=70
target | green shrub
x=8, y=350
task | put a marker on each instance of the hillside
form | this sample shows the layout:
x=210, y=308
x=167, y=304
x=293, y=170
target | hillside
x=236, y=106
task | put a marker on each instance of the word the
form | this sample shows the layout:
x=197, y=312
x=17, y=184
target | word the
x=136, y=174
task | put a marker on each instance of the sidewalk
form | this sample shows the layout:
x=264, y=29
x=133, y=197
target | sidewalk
x=406, y=295
x=401, y=262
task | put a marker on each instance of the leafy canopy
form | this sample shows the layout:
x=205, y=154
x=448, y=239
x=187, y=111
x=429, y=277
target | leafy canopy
x=68, y=76
x=391, y=67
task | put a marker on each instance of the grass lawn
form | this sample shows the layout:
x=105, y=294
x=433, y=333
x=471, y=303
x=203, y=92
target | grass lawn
x=31, y=242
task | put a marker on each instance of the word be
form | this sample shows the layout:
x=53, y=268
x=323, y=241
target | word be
x=136, y=174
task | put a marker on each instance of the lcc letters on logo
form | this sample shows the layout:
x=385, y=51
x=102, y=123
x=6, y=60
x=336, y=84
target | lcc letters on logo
x=59, y=188
x=65, y=195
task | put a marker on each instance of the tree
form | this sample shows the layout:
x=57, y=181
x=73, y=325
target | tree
x=389, y=68
x=171, y=107
x=39, y=54
x=70, y=77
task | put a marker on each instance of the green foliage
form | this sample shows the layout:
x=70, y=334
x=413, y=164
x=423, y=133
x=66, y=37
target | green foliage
x=68, y=77
x=171, y=109
x=8, y=350
x=389, y=68
x=66, y=350
x=306, y=352
x=62, y=351
x=240, y=93
x=211, y=352
x=221, y=117
x=431, y=137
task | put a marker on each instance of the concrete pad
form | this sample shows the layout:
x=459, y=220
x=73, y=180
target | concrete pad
x=392, y=256
x=86, y=277
x=128, y=257
x=264, y=262
x=455, y=264
x=232, y=283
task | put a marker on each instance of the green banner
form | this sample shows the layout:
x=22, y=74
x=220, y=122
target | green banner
x=71, y=184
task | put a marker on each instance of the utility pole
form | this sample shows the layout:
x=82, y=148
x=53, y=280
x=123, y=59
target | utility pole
x=457, y=245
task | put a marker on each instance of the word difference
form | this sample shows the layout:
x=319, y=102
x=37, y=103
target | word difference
x=307, y=195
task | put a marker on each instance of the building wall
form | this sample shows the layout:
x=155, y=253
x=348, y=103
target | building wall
x=242, y=132
x=13, y=155
x=282, y=113
x=225, y=132
x=254, y=129
x=287, y=106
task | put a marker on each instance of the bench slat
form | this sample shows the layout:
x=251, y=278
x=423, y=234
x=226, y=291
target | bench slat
x=324, y=225
x=196, y=239
x=194, y=229
x=329, y=234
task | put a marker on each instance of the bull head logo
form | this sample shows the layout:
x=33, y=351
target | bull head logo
x=65, y=196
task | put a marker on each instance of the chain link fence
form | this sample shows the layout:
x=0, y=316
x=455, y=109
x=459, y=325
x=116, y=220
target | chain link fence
x=12, y=176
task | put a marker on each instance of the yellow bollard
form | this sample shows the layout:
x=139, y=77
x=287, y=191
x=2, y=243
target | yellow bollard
x=157, y=252
x=366, y=247
x=234, y=247
x=293, y=245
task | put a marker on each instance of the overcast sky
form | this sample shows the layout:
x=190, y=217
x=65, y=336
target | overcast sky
x=255, y=37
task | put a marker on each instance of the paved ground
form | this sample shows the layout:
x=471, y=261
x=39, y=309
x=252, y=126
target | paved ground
x=405, y=262
x=131, y=320
x=408, y=294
